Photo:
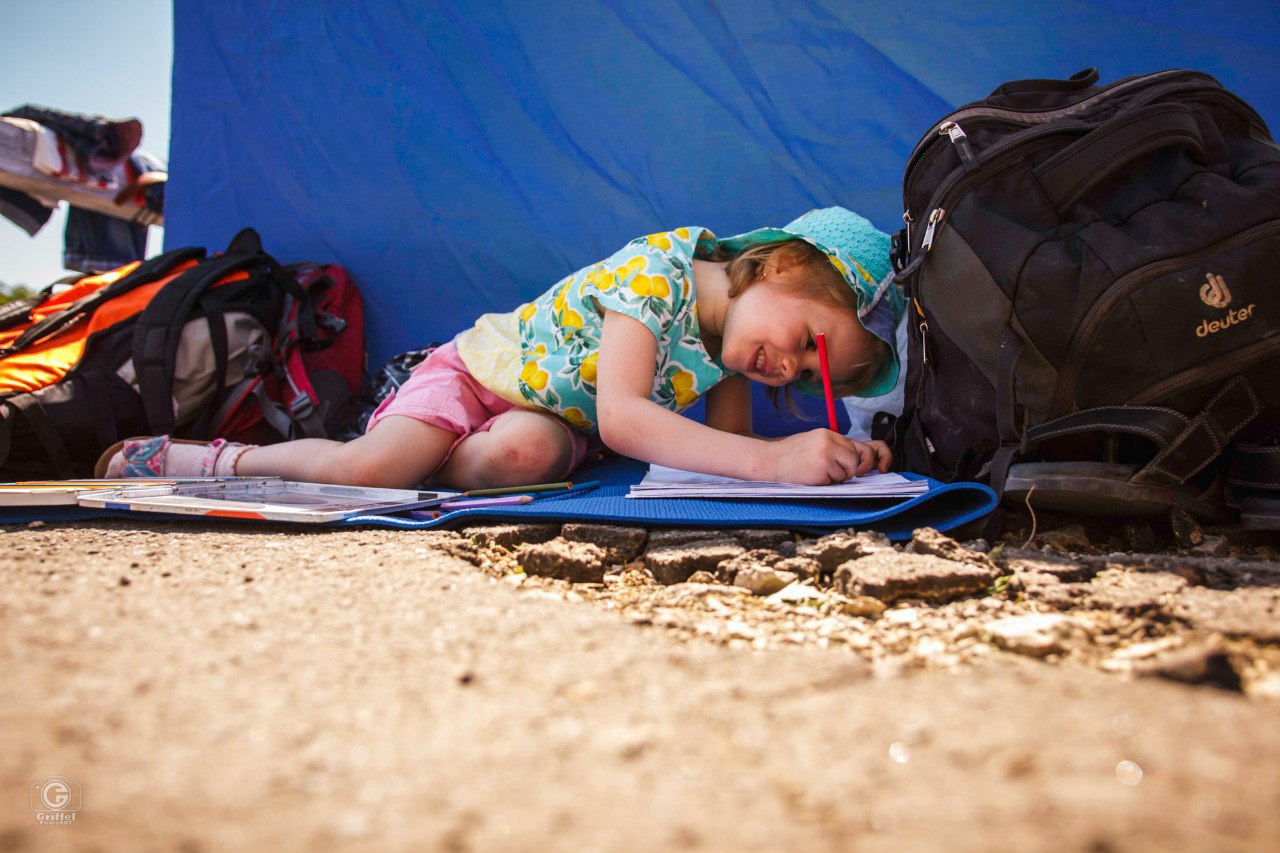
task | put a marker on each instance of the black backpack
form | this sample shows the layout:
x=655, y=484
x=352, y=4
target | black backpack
x=1091, y=278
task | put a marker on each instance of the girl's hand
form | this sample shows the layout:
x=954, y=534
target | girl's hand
x=821, y=457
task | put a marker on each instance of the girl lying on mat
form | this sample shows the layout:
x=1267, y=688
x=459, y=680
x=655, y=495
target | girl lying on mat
x=613, y=353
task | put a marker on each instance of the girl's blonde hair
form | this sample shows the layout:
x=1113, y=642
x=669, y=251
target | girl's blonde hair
x=822, y=282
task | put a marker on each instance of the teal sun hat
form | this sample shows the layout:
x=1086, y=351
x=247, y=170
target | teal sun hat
x=860, y=253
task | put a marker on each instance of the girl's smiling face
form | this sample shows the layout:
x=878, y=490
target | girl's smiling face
x=770, y=331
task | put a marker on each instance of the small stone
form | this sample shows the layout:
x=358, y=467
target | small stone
x=1212, y=546
x=674, y=564
x=124, y=581
x=862, y=605
x=763, y=581
x=1186, y=531
x=673, y=536
x=806, y=568
x=759, y=558
x=1070, y=538
x=36, y=525
x=891, y=577
x=1035, y=634
x=576, y=562
x=621, y=544
x=926, y=540
x=702, y=577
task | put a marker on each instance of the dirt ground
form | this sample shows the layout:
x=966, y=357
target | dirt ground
x=207, y=687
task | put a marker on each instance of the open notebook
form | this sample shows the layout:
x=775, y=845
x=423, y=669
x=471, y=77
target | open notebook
x=663, y=482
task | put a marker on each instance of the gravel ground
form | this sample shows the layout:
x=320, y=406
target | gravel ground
x=1094, y=687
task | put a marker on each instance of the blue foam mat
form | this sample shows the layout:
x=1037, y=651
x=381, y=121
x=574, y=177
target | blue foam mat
x=942, y=507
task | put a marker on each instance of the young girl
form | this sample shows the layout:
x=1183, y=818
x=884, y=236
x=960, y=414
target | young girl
x=615, y=351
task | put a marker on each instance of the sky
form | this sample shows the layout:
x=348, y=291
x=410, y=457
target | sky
x=106, y=57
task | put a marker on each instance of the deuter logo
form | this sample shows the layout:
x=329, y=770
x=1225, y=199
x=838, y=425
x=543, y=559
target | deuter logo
x=1215, y=293
x=56, y=800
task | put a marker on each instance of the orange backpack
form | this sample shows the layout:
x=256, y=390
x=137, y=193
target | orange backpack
x=146, y=349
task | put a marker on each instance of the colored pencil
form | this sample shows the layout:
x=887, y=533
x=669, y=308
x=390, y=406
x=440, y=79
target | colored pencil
x=511, y=490
x=826, y=381
x=476, y=503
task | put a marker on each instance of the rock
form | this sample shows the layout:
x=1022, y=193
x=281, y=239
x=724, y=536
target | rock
x=752, y=539
x=1132, y=593
x=1252, y=612
x=1205, y=663
x=576, y=562
x=806, y=568
x=1070, y=538
x=1212, y=546
x=672, y=536
x=840, y=547
x=1186, y=531
x=1048, y=589
x=890, y=577
x=703, y=578
x=511, y=535
x=621, y=544
x=926, y=540
x=1139, y=536
x=674, y=564
x=763, y=581
x=1036, y=634
x=1062, y=567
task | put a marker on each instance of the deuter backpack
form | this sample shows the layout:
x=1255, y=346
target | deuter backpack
x=153, y=348
x=1091, y=279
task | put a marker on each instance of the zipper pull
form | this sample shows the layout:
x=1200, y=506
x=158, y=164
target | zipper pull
x=934, y=219
x=961, y=142
x=924, y=342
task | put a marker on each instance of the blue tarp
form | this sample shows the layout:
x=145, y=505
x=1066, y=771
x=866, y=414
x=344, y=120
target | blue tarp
x=459, y=157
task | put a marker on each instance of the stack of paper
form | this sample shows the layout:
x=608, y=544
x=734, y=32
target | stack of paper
x=663, y=482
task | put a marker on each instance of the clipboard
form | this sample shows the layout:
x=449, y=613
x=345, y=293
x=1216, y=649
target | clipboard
x=263, y=499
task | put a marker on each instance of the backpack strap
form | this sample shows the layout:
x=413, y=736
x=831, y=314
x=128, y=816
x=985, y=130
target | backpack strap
x=146, y=272
x=1255, y=466
x=158, y=331
x=28, y=407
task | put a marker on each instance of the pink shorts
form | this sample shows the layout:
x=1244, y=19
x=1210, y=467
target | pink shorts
x=443, y=393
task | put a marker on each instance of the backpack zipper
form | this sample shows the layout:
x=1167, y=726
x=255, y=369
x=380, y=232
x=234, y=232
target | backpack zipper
x=1122, y=288
x=979, y=115
x=1010, y=149
x=1222, y=368
x=1032, y=117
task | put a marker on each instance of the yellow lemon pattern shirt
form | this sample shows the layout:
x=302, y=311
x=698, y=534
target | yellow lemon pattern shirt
x=650, y=279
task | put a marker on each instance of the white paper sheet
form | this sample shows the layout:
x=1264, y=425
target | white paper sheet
x=663, y=482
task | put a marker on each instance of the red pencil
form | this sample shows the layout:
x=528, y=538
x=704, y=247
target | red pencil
x=826, y=380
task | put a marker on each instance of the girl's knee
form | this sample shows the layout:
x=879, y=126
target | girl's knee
x=534, y=450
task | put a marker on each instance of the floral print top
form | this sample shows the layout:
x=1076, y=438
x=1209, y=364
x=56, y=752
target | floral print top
x=650, y=279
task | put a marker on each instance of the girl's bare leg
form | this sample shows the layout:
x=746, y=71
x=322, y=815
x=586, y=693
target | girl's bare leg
x=521, y=448
x=398, y=453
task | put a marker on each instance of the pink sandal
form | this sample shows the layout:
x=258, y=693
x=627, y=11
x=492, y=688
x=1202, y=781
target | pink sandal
x=148, y=456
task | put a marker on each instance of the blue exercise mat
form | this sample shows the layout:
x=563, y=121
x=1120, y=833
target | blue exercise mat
x=942, y=508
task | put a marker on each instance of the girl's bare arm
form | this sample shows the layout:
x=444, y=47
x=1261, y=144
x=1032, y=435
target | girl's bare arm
x=633, y=425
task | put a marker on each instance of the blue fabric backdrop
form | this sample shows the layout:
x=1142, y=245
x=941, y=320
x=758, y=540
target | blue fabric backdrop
x=460, y=156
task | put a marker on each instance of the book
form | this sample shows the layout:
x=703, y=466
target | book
x=66, y=492
x=663, y=482
x=261, y=499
